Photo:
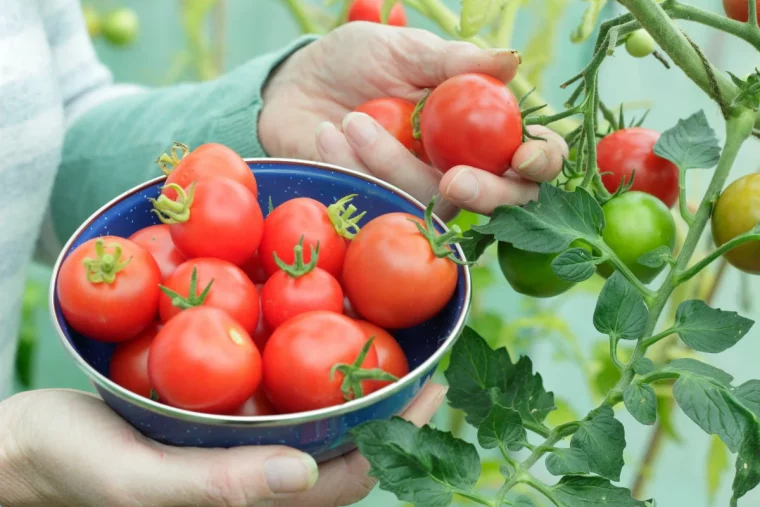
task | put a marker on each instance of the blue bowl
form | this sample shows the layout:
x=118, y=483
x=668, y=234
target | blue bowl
x=322, y=433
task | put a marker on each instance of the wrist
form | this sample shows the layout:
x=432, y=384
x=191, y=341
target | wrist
x=15, y=473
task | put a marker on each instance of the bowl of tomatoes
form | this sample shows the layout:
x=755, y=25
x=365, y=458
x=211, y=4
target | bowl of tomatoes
x=275, y=302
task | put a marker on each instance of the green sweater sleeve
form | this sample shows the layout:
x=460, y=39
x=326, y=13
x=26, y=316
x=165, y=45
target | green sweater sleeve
x=112, y=147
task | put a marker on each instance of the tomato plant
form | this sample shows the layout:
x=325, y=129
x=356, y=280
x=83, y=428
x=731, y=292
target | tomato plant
x=739, y=9
x=203, y=360
x=157, y=240
x=531, y=273
x=738, y=212
x=120, y=26
x=395, y=116
x=108, y=288
x=632, y=149
x=215, y=218
x=639, y=44
x=129, y=362
x=369, y=10
x=390, y=355
x=473, y=120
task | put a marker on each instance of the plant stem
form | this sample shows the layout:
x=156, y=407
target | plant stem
x=683, y=205
x=301, y=15
x=646, y=292
x=541, y=488
x=688, y=274
x=745, y=31
x=654, y=339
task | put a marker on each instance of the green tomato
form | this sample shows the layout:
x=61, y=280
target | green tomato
x=120, y=26
x=639, y=44
x=92, y=19
x=573, y=183
x=637, y=223
x=530, y=273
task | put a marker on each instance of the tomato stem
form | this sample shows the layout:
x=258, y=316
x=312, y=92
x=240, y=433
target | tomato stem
x=298, y=268
x=104, y=267
x=193, y=298
x=167, y=162
x=416, y=114
x=343, y=218
x=354, y=374
x=440, y=243
x=174, y=212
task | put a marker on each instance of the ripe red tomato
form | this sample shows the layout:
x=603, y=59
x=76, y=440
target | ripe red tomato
x=262, y=333
x=302, y=352
x=255, y=269
x=299, y=288
x=157, y=240
x=626, y=150
x=369, y=10
x=304, y=217
x=390, y=355
x=256, y=405
x=210, y=160
x=395, y=276
x=203, y=360
x=214, y=218
x=395, y=116
x=474, y=120
x=739, y=10
x=129, y=362
x=231, y=290
x=108, y=289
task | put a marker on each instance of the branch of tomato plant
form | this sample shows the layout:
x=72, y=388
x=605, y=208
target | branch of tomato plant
x=688, y=274
x=682, y=202
x=748, y=31
x=502, y=35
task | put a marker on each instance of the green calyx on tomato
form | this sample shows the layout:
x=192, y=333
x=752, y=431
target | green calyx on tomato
x=298, y=268
x=440, y=243
x=193, y=298
x=343, y=218
x=167, y=162
x=530, y=273
x=154, y=395
x=177, y=211
x=104, y=267
x=354, y=374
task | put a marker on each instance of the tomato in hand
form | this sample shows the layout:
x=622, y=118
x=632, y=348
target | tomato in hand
x=256, y=405
x=738, y=10
x=210, y=160
x=129, y=362
x=203, y=360
x=626, y=150
x=390, y=355
x=369, y=10
x=399, y=272
x=636, y=224
x=299, y=288
x=108, y=289
x=317, y=360
x=211, y=282
x=214, y=218
x=255, y=269
x=530, y=273
x=395, y=116
x=738, y=211
x=157, y=240
x=473, y=120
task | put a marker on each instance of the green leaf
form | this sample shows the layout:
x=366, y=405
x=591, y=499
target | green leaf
x=567, y=462
x=692, y=366
x=656, y=257
x=550, y=224
x=643, y=366
x=502, y=428
x=749, y=91
x=691, y=144
x=747, y=462
x=523, y=501
x=717, y=463
x=582, y=491
x=708, y=329
x=423, y=466
x=620, y=311
x=480, y=377
x=574, y=265
x=641, y=402
x=385, y=10
x=749, y=395
x=478, y=14
x=602, y=438
x=475, y=244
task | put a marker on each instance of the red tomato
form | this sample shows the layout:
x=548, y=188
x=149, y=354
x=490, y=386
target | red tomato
x=304, y=217
x=626, y=150
x=203, y=360
x=108, y=289
x=369, y=10
x=262, y=333
x=395, y=116
x=302, y=352
x=157, y=240
x=210, y=160
x=255, y=269
x=395, y=276
x=129, y=362
x=390, y=355
x=230, y=290
x=474, y=120
x=739, y=10
x=215, y=218
x=256, y=405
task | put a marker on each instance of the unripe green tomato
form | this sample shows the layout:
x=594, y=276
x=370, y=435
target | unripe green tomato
x=736, y=212
x=637, y=223
x=531, y=273
x=639, y=44
x=92, y=19
x=120, y=26
x=573, y=183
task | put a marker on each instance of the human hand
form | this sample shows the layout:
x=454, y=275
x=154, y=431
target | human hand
x=318, y=87
x=67, y=448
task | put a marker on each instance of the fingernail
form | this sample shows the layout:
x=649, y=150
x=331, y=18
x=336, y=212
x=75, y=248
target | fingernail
x=500, y=52
x=535, y=163
x=326, y=137
x=464, y=187
x=290, y=474
x=360, y=129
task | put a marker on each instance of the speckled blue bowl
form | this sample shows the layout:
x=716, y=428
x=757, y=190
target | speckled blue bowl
x=322, y=433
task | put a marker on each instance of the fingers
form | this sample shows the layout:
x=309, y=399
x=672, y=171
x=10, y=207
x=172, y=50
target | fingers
x=333, y=148
x=480, y=191
x=540, y=160
x=427, y=403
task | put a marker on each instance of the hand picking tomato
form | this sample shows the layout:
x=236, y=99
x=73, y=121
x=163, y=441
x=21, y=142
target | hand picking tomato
x=316, y=223
x=399, y=272
x=636, y=224
x=203, y=360
x=395, y=116
x=108, y=289
x=369, y=10
x=129, y=362
x=299, y=288
x=210, y=160
x=390, y=355
x=626, y=150
x=157, y=240
x=738, y=211
x=211, y=282
x=738, y=10
x=530, y=273
x=474, y=120
x=255, y=269
x=256, y=405
x=317, y=360
x=214, y=218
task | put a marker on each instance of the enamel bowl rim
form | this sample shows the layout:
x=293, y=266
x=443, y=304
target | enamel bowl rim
x=271, y=420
